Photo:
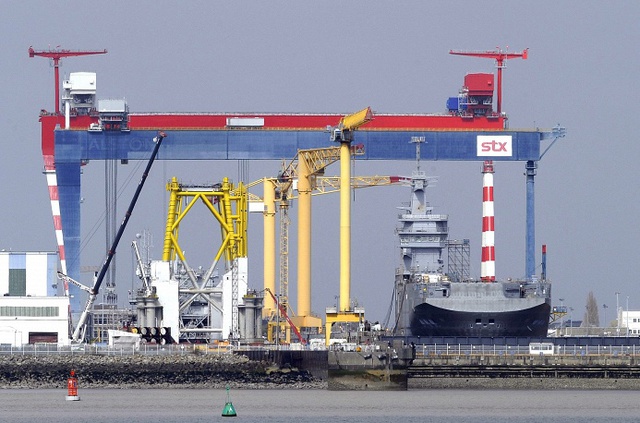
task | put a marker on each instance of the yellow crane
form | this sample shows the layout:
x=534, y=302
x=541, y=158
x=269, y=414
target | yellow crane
x=306, y=166
x=303, y=169
x=343, y=134
x=278, y=193
x=322, y=185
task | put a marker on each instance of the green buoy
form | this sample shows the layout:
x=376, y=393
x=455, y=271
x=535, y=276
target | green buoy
x=229, y=410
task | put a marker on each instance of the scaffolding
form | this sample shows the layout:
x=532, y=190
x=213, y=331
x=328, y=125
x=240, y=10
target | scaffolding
x=459, y=263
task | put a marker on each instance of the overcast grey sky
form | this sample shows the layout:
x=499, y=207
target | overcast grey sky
x=338, y=57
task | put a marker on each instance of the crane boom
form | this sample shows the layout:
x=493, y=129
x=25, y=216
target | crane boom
x=143, y=274
x=349, y=123
x=497, y=54
x=286, y=316
x=355, y=120
x=105, y=266
x=73, y=281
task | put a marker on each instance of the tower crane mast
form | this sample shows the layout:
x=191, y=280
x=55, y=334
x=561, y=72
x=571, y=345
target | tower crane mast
x=56, y=55
x=500, y=57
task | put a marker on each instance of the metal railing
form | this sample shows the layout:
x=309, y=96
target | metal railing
x=422, y=351
x=95, y=349
x=498, y=350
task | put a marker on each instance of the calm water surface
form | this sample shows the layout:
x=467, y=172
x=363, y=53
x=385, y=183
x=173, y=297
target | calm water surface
x=289, y=406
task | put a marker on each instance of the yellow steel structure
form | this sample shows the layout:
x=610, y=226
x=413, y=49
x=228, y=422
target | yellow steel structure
x=268, y=246
x=329, y=184
x=277, y=197
x=230, y=210
x=277, y=193
x=355, y=120
x=344, y=135
x=356, y=315
x=284, y=254
x=228, y=204
x=304, y=168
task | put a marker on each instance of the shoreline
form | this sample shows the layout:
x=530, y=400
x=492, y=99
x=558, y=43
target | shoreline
x=206, y=371
x=238, y=372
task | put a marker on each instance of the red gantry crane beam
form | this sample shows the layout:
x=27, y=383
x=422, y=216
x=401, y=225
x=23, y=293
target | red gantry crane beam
x=56, y=55
x=500, y=57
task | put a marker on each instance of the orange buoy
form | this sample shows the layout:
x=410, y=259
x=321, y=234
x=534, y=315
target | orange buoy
x=72, y=387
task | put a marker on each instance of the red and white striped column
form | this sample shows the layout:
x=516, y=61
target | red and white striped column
x=488, y=265
x=52, y=183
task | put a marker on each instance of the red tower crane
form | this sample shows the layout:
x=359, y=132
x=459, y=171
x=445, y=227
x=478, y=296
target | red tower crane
x=500, y=57
x=56, y=55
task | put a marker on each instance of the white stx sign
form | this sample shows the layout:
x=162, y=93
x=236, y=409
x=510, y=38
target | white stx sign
x=494, y=145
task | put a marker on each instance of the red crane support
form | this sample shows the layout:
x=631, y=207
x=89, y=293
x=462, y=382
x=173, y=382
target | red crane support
x=500, y=57
x=56, y=55
x=286, y=316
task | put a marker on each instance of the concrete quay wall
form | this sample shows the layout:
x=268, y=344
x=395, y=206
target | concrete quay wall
x=359, y=371
x=531, y=383
x=525, y=372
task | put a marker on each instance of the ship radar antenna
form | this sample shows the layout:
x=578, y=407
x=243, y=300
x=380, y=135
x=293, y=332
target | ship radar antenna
x=417, y=141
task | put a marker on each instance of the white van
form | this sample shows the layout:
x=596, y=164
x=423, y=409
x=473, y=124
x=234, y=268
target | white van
x=541, y=348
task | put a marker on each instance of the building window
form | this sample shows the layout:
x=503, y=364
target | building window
x=17, y=282
x=25, y=311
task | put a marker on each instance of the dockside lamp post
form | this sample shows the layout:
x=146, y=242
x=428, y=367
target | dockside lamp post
x=562, y=328
x=627, y=325
x=618, y=315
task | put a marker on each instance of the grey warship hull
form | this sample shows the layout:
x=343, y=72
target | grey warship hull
x=431, y=298
x=485, y=309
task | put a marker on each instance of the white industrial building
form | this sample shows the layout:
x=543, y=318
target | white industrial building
x=32, y=307
x=629, y=322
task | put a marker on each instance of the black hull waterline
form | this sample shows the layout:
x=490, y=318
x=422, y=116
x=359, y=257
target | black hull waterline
x=429, y=320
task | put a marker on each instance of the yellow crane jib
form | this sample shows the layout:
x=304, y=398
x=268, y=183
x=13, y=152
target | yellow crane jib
x=344, y=131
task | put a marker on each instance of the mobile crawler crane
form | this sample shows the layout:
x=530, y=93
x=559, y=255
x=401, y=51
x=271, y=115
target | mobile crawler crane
x=79, y=332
